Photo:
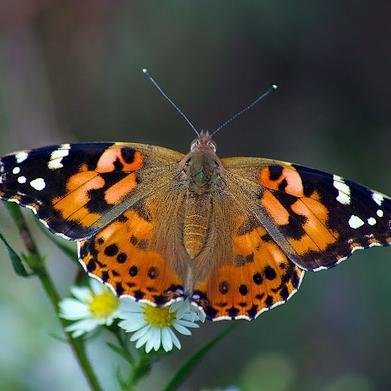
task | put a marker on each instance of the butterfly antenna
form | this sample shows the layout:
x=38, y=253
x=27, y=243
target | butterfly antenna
x=152, y=80
x=246, y=108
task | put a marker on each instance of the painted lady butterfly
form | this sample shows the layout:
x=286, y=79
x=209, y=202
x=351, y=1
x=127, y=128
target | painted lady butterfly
x=235, y=235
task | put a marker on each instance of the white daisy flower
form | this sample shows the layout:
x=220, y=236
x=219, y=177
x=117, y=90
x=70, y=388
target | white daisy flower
x=153, y=326
x=91, y=307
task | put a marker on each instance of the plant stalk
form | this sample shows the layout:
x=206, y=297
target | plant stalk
x=36, y=263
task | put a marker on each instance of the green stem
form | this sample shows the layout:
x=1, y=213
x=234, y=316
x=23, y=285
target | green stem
x=37, y=265
x=140, y=369
x=118, y=334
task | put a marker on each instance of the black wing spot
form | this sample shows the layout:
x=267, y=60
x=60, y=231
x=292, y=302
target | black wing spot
x=282, y=186
x=119, y=289
x=91, y=265
x=153, y=272
x=223, y=287
x=111, y=250
x=118, y=166
x=133, y=270
x=243, y=290
x=275, y=172
x=122, y=257
x=295, y=280
x=105, y=276
x=284, y=293
x=128, y=154
x=257, y=278
x=252, y=311
x=233, y=312
x=269, y=301
x=270, y=273
x=138, y=295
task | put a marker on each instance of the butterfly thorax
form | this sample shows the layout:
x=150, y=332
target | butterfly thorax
x=202, y=172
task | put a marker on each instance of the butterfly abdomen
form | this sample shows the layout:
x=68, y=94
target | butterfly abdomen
x=196, y=222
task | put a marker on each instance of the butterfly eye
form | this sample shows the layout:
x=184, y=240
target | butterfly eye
x=212, y=146
x=194, y=144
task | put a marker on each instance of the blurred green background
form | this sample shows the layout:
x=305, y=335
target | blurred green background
x=71, y=71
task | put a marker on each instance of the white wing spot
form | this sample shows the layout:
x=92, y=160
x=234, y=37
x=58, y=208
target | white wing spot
x=378, y=198
x=380, y=213
x=355, y=222
x=371, y=221
x=57, y=156
x=343, y=190
x=16, y=170
x=22, y=179
x=21, y=156
x=38, y=184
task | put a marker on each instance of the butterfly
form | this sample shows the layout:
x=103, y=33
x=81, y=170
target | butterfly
x=235, y=235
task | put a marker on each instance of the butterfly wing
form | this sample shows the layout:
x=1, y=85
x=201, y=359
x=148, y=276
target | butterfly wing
x=287, y=219
x=77, y=189
x=258, y=277
x=317, y=219
x=122, y=255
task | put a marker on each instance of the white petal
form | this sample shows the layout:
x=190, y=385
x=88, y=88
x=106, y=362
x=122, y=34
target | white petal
x=72, y=309
x=128, y=305
x=153, y=336
x=142, y=340
x=186, y=323
x=130, y=316
x=180, y=308
x=96, y=286
x=81, y=293
x=166, y=339
x=158, y=340
x=174, y=339
x=140, y=333
x=77, y=333
x=201, y=315
x=131, y=325
x=181, y=329
x=82, y=326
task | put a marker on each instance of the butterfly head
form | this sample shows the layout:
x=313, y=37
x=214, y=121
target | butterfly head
x=203, y=143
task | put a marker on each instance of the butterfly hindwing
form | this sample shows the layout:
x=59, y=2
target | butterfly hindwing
x=318, y=219
x=257, y=278
x=76, y=189
x=121, y=255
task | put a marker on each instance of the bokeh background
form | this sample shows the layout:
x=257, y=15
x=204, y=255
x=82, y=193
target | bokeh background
x=71, y=71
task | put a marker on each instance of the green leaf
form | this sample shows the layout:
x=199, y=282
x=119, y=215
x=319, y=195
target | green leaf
x=67, y=250
x=187, y=367
x=16, y=260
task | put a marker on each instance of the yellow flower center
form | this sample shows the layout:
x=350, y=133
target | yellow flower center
x=158, y=316
x=103, y=304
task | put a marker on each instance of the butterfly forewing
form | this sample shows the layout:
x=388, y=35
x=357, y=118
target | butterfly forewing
x=76, y=189
x=318, y=219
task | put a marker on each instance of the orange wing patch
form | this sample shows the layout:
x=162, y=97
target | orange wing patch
x=120, y=256
x=301, y=217
x=91, y=191
x=259, y=277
